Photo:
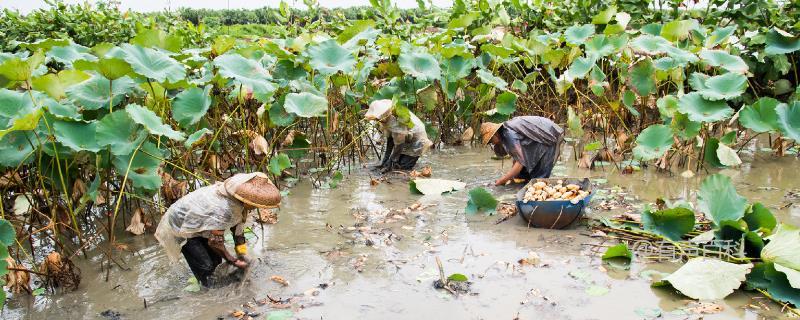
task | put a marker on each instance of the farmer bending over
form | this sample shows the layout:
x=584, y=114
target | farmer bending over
x=404, y=144
x=195, y=224
x=534, y=144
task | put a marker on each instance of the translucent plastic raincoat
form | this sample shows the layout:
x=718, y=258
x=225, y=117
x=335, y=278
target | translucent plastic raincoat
x=412, y=141
x=200, y=212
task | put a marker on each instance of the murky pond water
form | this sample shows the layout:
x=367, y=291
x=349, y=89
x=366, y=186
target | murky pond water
x=338, y=269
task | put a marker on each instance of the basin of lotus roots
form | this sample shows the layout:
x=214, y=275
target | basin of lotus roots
x=359, y=252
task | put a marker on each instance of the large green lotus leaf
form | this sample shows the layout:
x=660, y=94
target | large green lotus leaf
x=783, y=247
x=196, y=137
x=69, y=54
x=287, y=70
x=278, y=163
x=650, y=44
x=789, y=120
x=14, y=105
x=98, y=92
x=120, y=132
x=653, y=142
x=248, y=72
x=719, y=36
x=457, y=67
x=488, y=78
x=111, y=68
x=678, y=29
x=604, y=16
x=698, y=81
x=420, y=65
x=354, y=29
x=306, y=105
x=683, y=127
x=506, y=103
x=724, y=87
x=793, y=276
x=23, y=123
x=278, y=115
x=667, y=106
x=600, y=46
x=722, y=59
x=152, y=122
x=8, y=235
x=16, y=148
x=718, y=199
x=701, y=110
x=435, y=186
x=681, y=57
x=56, y=85
x=761, y=116
x=497, y=50
x=191, y=105
x=428, y=97
x=672, y=223
x=150, y=63
x=579, y=68
x=141, y=166
x=157, y=38
x=779, y=285
x=643, y=77
x=328, y=57
x=758, y=217
x=21, y=69
x=708, y=279
x=78, y=136
x=577, y=35
x=778, y=43
x=480, y=200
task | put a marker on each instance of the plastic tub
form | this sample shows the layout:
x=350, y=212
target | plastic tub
x=556, y=214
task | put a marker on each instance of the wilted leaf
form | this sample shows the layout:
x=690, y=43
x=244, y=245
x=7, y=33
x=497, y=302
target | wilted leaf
x=435, y=186
x=137, y=225
x=708, y=279
x=783, y=247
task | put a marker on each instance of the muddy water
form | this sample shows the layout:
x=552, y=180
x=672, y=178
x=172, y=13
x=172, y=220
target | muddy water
x=316, y=243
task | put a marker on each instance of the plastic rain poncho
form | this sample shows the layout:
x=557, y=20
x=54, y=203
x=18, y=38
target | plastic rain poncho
x=412, y=141
x=200, y=212
x=533, y=141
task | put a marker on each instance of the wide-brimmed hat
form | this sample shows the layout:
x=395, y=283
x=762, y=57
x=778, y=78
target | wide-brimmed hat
x=488, y=129
x=378, y=109
x=254, y=189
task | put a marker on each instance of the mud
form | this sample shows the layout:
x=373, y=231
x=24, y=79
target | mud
x=344, y=259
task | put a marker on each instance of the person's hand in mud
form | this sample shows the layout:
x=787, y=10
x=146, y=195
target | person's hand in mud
x=241, y=263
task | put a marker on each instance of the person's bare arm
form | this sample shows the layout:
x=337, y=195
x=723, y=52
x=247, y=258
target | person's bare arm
x=511, y=174
x=217, y=245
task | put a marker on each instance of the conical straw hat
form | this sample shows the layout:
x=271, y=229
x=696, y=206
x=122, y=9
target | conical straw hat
x=488, y=129
x=258, y=192
x=378, y=109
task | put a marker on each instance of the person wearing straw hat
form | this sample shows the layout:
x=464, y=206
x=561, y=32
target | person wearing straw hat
x=195, y=224
x=405, y=142
x=534, y=144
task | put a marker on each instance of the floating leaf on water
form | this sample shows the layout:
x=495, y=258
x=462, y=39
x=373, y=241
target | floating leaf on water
x=672, y=223
x=481, y=200
x=618, y=251
x=783, y=247
x=280, y=315
x=192, y=285
x=708, y=279
x=457, y=277
x=435, y=186
x=596, y=291
x=718, y=199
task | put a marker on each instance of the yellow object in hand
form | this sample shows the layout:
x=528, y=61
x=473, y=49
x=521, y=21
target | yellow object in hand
x=241, y=249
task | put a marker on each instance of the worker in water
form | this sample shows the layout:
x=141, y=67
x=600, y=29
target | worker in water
x=195, y=224
x=534, y=144
x=405, y=141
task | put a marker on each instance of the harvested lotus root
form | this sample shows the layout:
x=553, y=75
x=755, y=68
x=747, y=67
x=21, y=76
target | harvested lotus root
x=542, y=191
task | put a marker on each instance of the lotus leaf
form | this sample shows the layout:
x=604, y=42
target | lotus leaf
x=605, y=16
x=78, y=136
x=120, y=132
x=196, y=137
x=579, y=68
x=150, y=63
x=70, y=53
x=157, y=38
x=650, y=44
x=287, y=70
x=672, y=223
x=14, y=105
x=55, y=85
x=724, y=87
x=278, y=163
x=23, y=123
x=435, y=186
x=722, y=59
x=783, y=247
x=141, y=166
x=642, y=77
x=506, y=103
x=191, y=105
x=278, y=115
x=111, y=68
x=21, y=69
x=306, y=105
x=758, y=217
x=328, y=57
x=678, y=29
x=789, y=120
x=792, y=275
x=653, y=142
x=718, y=199
x=761, y=116
x=708, y=279
x=480, y=200
x=719, y=36
x=488, y=78
x=577, y=35
x=727, y=156
x=16, y=148
x=8, y=234
x=778, y=43
x=419, y=65
x=701, y=110
x=98, y=92
x=246, y=72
